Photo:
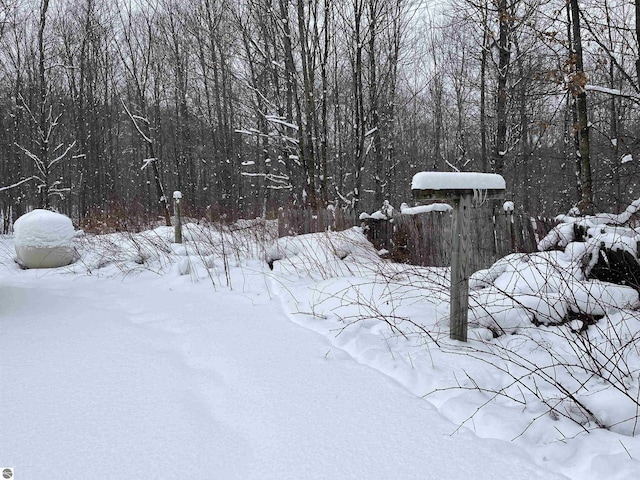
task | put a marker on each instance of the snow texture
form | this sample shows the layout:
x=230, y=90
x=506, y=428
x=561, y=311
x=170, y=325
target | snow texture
x=601, y=228
x=385, y=213
x=598, y=88
x=457, y=181
x=434, y=207
x=149, y=357
x=546, y=286
x=378, y=215
x=44, y=229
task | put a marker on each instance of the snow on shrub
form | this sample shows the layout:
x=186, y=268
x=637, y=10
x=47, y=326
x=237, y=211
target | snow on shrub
x=559, y=236
x=603, y=229
x=536, y=273
x=43, y=228
x=548, y=285
x=596, y=298
x=43, y=239
x=497, y=312
x=537, y=284
x=322, y=254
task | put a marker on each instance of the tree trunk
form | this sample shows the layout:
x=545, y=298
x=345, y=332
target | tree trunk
x=578, y=82
x=42, y=99
x=374, y=105
x=483, y=101
x=637, y=5
x=359, y=133
x=504, y=57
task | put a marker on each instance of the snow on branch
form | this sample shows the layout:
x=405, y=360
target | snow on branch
x=146, y=162
x=17, y=184
x=280, y=179
x=280, y=121
x=605, y=228
x=597, y=88
x=142, y=119
x=61, y=157
x=604, y=218
x=612, y=91
x=135, y=123
x=25, y=106
x=39, y=164
x=53, y=123
x=55, y=189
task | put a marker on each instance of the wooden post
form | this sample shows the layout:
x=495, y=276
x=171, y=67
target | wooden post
x=459, y=189
x=177, y=196
x=459, y=290
x=509, y=214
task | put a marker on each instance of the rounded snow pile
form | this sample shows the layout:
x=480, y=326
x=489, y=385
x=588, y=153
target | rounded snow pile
x=43, y=239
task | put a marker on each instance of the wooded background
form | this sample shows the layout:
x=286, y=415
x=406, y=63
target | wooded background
x=248, y=105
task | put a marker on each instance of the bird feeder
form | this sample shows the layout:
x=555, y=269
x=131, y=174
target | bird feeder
x=462, y=190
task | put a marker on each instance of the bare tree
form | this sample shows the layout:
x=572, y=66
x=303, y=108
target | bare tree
x=136, y=52
x=47, y=156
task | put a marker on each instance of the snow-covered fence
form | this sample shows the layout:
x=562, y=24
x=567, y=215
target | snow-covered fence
x=425, y=238
x=298, y=221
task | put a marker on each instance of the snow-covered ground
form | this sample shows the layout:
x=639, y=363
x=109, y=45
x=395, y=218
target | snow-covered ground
x=240, y=356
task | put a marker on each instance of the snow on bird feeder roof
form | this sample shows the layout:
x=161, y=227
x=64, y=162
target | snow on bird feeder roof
x=457, y=181
x=452, y=185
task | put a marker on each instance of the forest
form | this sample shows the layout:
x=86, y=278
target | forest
x=246, y=106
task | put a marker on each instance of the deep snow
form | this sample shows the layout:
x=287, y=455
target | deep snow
x=146, y=364
x=43, y=228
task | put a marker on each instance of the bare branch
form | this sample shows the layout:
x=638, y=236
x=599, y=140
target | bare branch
x=38, y=162
x=135, y=124
x=61, y=157
x=17, y=184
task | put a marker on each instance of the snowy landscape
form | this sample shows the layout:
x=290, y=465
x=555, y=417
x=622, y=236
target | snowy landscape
x=277, y=317
x=240, y=355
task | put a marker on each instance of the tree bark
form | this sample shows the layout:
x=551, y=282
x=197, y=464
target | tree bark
x=42, y=98
x=578, y=82
x=504, y=57
x=483, y=94
x=637, y=5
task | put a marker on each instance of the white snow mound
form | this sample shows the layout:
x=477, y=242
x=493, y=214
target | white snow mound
x=43, y=229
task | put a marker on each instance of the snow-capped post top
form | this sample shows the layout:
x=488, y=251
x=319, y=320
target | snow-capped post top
x=453, y=185
x=457, y=181
x=177, y=195
x=508, y=207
